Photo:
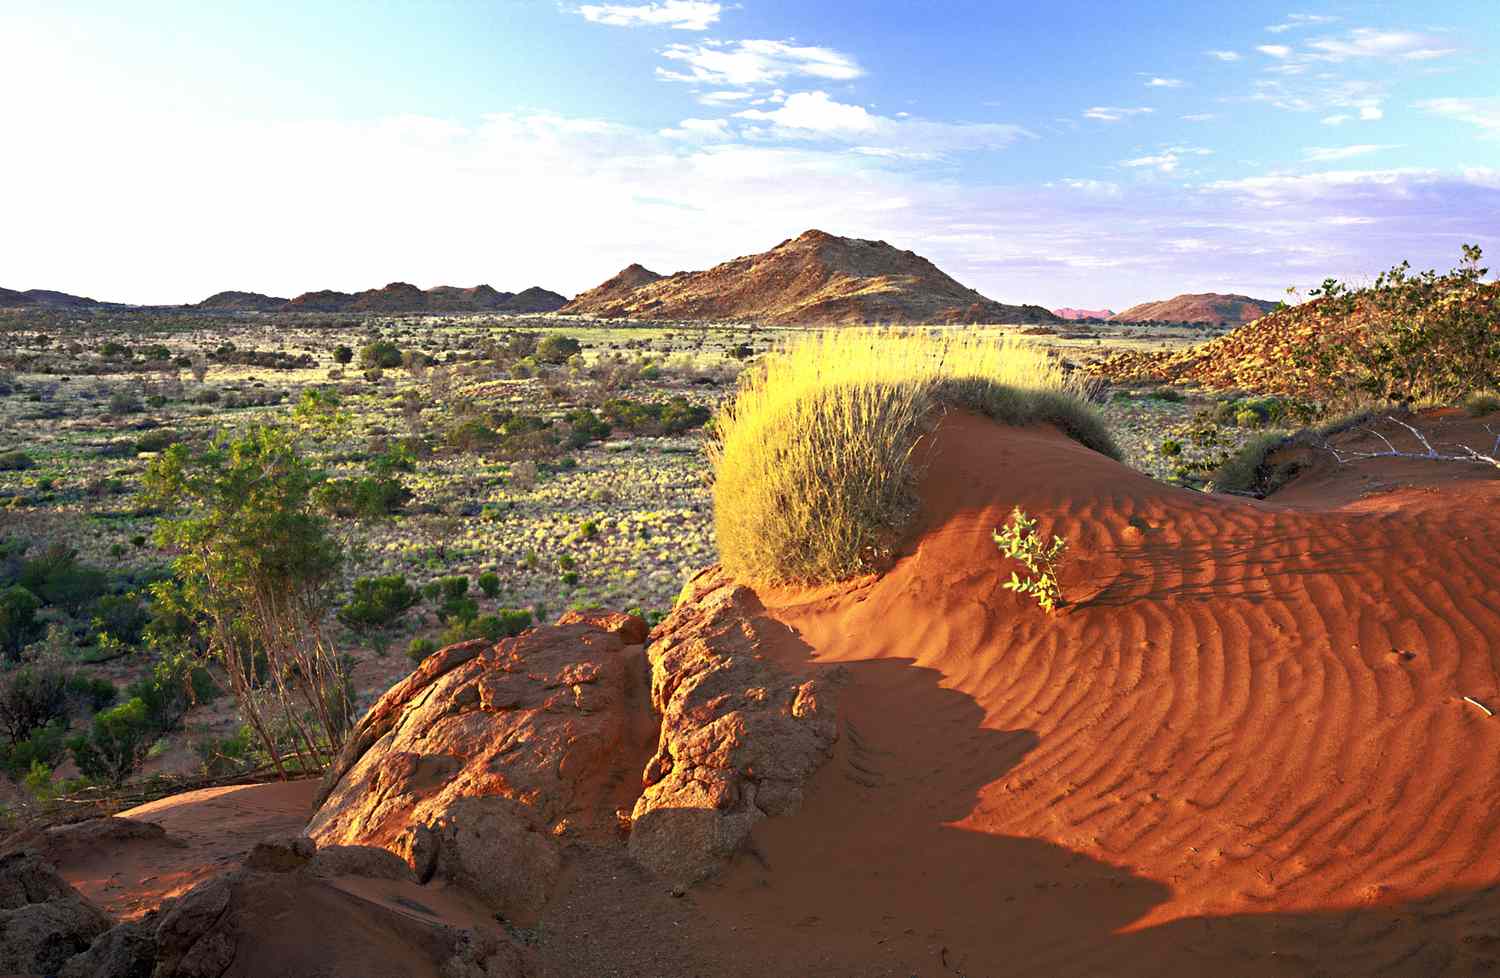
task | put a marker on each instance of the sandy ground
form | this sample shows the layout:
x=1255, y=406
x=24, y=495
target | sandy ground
x=1242, y=749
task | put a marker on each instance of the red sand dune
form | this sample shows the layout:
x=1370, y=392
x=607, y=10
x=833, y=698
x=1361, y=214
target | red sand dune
x=1250, y=709
x=1242, y=750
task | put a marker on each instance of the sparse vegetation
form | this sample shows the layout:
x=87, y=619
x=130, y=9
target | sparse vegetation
x=1020, y=541
x=814, y=478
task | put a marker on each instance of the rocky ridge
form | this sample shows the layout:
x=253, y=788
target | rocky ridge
x=814, y=279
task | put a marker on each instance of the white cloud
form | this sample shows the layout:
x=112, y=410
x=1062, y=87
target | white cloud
x=1108, y=113
x=1294, y=21
x=1338, y=119
x=1371, y=113
x=1224, y=55
x=1163, y=163
x=1164, y=83
x=1199, y=117
x=1365, y=42
x=815, y=112
x=755, y=62
x=724, y=98
x=1102, y=188
x=817, y=115
x=1327, y=154
x=699, y=130
x=1274, y=50
x=682, y=15
x=1481, y=112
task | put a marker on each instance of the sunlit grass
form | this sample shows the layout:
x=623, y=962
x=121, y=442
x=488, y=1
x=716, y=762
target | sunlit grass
x=813, y=471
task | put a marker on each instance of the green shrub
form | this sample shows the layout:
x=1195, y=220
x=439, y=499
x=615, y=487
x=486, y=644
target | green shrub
x=219, y=756
x=557, y=349
x=367, y=497
x=508, y=623
x=585, y=427
x=489, y=583
x=1019, y=541
x=116, y=746
x=449, y=595
x=57, y=578
x=46, y=746
x=420, y=648
x=15, y=461
x=1249, y=471
x=382, y=354
x=92, y=693
x=120, y=618
x=175, y=685
x=125, y=402
x=342, y=354
x=1478, y=405
x=18, y=623
x=378, y=602
x=30, y=698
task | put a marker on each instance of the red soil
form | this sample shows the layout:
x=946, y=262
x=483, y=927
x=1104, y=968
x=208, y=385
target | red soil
x=1249, y=709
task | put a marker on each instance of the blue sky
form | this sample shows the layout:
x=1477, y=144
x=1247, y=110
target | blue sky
x=1065, y=153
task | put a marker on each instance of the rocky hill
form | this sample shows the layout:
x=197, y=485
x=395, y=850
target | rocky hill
x=814, y=279
x=1076, y=314
x=232, y=301
x=1203, y=307
x=399, y=297
x=45, y=298
x=609, y=300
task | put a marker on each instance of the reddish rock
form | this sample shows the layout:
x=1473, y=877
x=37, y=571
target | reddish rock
x=471, y=767
x=740, y=735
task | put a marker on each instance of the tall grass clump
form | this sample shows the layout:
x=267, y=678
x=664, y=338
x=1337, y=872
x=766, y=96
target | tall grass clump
x=814, y=475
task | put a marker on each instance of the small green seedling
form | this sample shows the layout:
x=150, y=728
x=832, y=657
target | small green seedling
x=1019, y=541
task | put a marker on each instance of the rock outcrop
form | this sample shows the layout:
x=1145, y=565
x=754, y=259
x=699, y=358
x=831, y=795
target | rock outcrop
x=402, y=297
x=740, y=735
x=43, y=920
x=1204, y=307
x=815, y=278
x=472, y=767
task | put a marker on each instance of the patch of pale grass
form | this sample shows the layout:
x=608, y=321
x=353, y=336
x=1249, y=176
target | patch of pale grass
x=813, y=472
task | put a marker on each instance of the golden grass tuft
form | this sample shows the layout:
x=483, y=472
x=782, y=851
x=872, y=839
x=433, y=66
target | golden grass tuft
x=814, y=479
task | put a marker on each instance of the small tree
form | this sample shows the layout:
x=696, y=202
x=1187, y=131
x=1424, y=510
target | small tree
x=557, y=349
x=342, y=354
x=1019, y=541
x=18, y=621
x=116, y=746
x=259, y=563
x=382, y=354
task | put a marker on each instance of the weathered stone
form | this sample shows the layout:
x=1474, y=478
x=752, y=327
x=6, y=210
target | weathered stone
x=739, y=738
x=43, y=920
x=126, y=950
x=470, y=766
x=281, y=854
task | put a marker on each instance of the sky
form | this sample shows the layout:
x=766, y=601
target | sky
x=1067, y=153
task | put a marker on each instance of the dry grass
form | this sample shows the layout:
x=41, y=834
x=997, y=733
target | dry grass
x=813, y=473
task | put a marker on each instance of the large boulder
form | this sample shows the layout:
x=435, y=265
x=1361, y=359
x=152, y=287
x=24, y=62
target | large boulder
x=740, y=733
x=43, y=920
x=473, y=766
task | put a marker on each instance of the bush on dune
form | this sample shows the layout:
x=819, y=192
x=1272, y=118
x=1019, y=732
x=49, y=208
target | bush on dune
x=814, y=479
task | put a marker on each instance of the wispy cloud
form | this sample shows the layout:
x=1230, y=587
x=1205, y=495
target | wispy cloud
x=818, y=116
x=1481, y=112
x=1294, y=21
x=1274, y=50
x=1365, y=42
x=1110, y=113
x=1329, y=154
x=1165, y=83
x=1224, y=55
x=755, y=62
x=1199, y=117
x=682, y=15
x=1162, y=162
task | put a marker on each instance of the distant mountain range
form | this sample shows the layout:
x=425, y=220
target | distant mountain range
x=1074, y=314
x=1204, y=307
x=815, y=278
x=44, y=298
x=398, y=297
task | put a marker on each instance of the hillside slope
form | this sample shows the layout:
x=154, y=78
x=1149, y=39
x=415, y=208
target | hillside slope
x=400, y=297
x=814, y=279
x=242, y=302
x=1203, y=307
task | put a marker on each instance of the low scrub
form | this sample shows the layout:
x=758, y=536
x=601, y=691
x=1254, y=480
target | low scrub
x=814, y=479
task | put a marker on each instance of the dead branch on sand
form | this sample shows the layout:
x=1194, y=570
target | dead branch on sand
x=1344, y=456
